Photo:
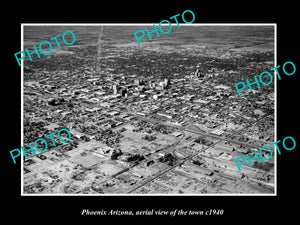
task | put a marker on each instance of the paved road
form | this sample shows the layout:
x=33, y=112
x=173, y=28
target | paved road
x=191, y=156
x=206, y=134
x=137, y=163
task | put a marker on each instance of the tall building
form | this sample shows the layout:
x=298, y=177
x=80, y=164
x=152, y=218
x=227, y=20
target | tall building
x=115, y=88
x=123, y=92
x=152, y=84
x=198, y=73
x=167, y=81
x=139, y=81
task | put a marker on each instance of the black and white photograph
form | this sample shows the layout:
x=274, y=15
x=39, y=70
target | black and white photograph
x=156, y=118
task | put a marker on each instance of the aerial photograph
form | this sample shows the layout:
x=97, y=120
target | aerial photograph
x=159, y=118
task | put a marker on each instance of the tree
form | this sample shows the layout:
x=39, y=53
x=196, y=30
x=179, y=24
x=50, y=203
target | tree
x=115, y=154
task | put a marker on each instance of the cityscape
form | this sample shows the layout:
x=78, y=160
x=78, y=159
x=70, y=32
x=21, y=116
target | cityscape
x=161, y=118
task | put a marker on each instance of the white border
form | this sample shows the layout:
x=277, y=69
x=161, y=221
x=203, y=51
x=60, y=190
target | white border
x=151, y=24
x=22, y=112
x=275, y=107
